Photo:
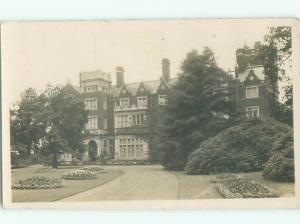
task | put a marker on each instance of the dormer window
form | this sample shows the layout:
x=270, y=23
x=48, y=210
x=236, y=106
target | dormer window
x=251, y=92
x=124, y=102
x=142, y=101
x=162, y=99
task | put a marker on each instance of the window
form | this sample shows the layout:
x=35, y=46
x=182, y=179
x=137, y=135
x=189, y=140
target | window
x=122, y=121
x=92, y=123
x=104, y=104
x=251, y=92
x=131, y=147
x=142, y=101
x=124, y=102
x=105, y=123
x=252, y=111
x=139, y=119
x=162, y=99
x=91, y=104
x=90, y=89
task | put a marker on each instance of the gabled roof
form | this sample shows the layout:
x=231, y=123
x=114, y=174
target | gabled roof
x=258, y=71
x=151, y=86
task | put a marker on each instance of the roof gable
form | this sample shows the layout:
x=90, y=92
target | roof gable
x=124, y=91
x=142, y=90
x=252, y=77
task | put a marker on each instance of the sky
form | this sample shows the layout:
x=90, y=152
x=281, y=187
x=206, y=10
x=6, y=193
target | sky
x=37, y=53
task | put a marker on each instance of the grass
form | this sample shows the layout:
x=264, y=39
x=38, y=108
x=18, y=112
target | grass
x=71, y=186
x=201, y=187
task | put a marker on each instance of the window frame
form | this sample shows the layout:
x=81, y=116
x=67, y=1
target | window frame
x=252, y=111
x=252, y=87
x=164, y=101
x=88, y=104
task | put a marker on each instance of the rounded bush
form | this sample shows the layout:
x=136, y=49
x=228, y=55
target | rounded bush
x=37, y=182
x=280, y=167
x=241, y=148
x=80, y=175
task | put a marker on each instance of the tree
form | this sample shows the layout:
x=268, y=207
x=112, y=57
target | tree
x=49, y=123
x=66, y=118
x=27, y=126
x=276, y=54
x=197, y=109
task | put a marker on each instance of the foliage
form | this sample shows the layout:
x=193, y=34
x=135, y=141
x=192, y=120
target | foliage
x=280, y=167
x=197, y=109
x=235, y=186
x=80, y=175
x=93, y=168
x=50, y=123
x=276, y=54
x=26, y=123
x=38, y=182
x=241, y=148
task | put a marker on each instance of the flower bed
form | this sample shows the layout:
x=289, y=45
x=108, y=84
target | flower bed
x=235, y=186
x=37, y=182
x=80, y=175
x=93, y=168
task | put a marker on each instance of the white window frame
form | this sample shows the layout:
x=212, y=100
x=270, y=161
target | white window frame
x=142, y=101
x=131, y=147
x=90, y=103
x=248, y=94
x=162, y=99
x=250, y=111
x=92, y=123
x=124, y=102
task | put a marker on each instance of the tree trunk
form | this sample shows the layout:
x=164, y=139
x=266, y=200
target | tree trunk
x=55, y=161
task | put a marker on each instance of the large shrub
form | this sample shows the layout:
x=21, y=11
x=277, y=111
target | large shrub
x=280, y=166
x=242, y=148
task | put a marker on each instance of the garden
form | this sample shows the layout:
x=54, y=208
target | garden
x=40, y=184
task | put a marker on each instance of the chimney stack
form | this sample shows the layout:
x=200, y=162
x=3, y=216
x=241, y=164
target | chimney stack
x=165, y=69
x=120, y=76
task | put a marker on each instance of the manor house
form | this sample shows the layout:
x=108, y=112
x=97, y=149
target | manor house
x=124, y=117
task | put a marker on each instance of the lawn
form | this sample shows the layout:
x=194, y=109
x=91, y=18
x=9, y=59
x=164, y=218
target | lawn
x=71, y=186
x=201, y=187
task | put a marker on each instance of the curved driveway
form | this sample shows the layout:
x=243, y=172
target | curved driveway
x=137, y=183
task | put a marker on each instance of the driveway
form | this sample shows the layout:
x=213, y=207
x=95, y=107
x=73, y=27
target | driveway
x=137, y=183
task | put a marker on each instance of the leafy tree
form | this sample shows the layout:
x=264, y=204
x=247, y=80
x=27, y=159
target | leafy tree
x=51, y=123
x=276, y=54
x=66, y=118
x=197, y=109
x=27, y=127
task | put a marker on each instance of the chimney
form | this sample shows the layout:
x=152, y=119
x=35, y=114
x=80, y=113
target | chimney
x=120, y=76
x=165, y=69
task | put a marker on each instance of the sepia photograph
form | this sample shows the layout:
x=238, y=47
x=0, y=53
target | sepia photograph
x=194, y=113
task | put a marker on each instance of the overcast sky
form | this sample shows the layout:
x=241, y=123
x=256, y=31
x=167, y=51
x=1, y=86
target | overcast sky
x=35, y=54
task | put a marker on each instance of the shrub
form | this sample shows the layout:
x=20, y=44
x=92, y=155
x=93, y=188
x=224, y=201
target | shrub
x=93, y=168
x=280, y=167
x=234, y=186
x=38, y=182
x=242, y=148
x=80, y=175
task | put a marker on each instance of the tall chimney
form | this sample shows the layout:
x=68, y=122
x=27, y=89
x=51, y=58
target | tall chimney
x=165, y=69
x=120, y=76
